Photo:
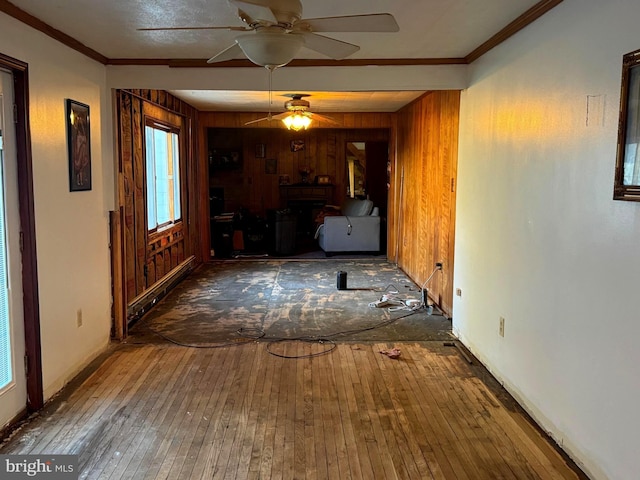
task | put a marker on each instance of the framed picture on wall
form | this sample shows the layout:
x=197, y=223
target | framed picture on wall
x=221, y=159
x=261, y=150
x=78, y=145
x=627, y=173
x=270, y=165
x=284, y=180
x=297, y=145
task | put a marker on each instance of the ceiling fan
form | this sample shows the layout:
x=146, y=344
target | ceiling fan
x=297, y=116
x=278, y=32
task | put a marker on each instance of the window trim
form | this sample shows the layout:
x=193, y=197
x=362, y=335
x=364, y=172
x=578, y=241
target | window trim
x=620, y=190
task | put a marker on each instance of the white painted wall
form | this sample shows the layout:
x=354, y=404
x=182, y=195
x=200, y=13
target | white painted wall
x=539, y=240
x=72, y=229
x=358, y=79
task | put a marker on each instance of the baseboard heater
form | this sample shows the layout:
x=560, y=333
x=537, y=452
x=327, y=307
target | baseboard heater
x=143, y=302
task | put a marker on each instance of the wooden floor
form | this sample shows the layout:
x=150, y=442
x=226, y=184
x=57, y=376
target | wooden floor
x=161, y=411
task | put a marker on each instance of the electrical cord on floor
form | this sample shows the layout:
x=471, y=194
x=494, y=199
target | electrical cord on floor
x=198, y=345
x=373, y=327
x=393, y=304
x=248, y=335
x=251, y=335
x=332, y=346
x=143, y=324
x=389, y=288
x=243, y=332
x=424, y=294
x=325, y=339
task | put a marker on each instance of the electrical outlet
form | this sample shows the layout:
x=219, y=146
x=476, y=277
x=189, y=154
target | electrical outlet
x=79, y=317
x=501, y=330
x=458, y=292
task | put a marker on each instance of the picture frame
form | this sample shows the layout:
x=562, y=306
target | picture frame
x=627, y=179
x=323, y=180
x=78, y=145
x=261, y=150
x=223, y=159
x=284, y=180
x=270, y=166
x=297, y=145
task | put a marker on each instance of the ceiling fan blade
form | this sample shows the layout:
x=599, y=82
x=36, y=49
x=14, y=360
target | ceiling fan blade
x=159, y=29
x=281, y=116
x=255, y=10
x=322, y=118
x=258, y=120
x=229, y=53
x=376, y=22
x=330, y=47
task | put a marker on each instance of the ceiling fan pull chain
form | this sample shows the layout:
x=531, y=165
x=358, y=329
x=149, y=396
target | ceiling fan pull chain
x=271, y=68
x=270, y=88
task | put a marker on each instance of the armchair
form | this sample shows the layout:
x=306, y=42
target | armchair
x=355, y=229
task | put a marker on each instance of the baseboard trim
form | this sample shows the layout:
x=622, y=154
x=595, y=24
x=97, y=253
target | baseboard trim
x=143, y=303
x=12, y=425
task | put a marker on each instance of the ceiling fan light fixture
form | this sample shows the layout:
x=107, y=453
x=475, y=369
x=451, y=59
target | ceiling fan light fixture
x=297, y=121
x=270, y=49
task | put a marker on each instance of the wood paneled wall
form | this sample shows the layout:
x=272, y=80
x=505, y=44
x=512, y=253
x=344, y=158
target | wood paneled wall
x=144, y=259
x=324, y=153
x=422, y=194
x=254, y=189
x=344, y=120
x=423, y=140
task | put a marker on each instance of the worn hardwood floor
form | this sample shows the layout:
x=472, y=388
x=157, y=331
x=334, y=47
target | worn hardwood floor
x=168, y=412
x=188, y=398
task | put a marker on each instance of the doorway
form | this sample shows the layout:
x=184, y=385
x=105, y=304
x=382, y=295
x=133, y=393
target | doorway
x=21, y=389
x=367, y=176
x=13, y=388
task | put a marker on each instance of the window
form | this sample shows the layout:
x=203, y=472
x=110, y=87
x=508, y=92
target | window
x=627, y=180
x=6, y=369
x=163, y=176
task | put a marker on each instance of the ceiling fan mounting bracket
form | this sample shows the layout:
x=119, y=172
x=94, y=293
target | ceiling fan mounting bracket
x=297, y=104
x=281, y=12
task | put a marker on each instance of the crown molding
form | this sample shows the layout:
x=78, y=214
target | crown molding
x=34, y=22
x=360, y=62
x=524, y=20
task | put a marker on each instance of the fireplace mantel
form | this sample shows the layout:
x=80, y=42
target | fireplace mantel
x=301, y=192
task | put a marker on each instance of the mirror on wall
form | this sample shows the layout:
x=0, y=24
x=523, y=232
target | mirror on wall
x=356, y=168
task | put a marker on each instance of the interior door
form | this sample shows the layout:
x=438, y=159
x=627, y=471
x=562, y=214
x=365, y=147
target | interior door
x=13, y=388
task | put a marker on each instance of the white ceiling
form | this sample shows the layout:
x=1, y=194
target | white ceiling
x=252, y=101
x=429, y=29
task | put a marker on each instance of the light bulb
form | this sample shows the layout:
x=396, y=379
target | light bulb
x=297, y=121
